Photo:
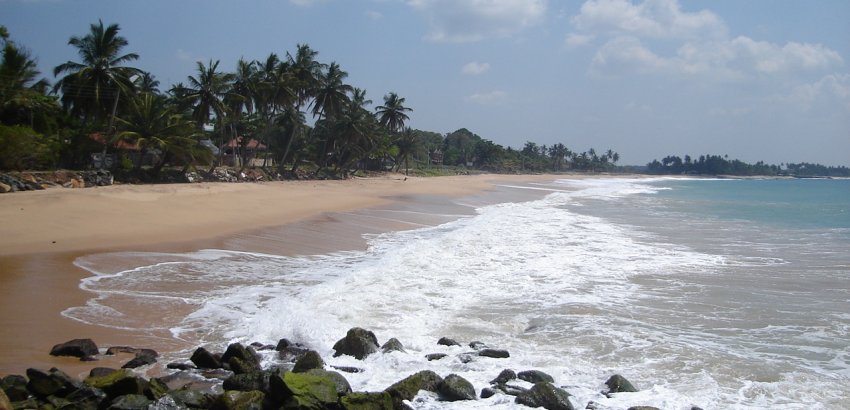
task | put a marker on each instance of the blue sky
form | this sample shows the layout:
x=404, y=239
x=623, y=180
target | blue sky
x=755, y=79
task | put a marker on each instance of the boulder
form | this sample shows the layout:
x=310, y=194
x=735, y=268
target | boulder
x=504, y=377
x=535, y=376
x=5, y=188
x=455, y=388
x=392, y=345
x=341, y=383
x=204, y=359
x=511, y=390
x=156, y=388
x=643, y=408
x=545, y=395
x=247, y=354
x=143, y=358
x=477, y=345
x=367, y=401
x=494, y=353
x=190, y=398
x=247, y=382
x=52, y=383
x=348, y=369
x=130, y=402
x=435, y=356
x=15, y=387
x=180, y=366
x=303, y=391
x=240, y=366
x=240, y=400
x=310, y=360
x=619, y=384
x=119, y=383
x=6, y=404
x=407, y=388
x=445, y=341
x=76, y=348
x=358, y=343
x=101, y=371
x=487, y=392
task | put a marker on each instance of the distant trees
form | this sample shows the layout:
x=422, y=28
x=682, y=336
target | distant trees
x=722, y=165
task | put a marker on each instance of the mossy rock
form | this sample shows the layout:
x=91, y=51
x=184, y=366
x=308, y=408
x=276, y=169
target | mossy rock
x=410, y=386
x=309, y=361
x=119, y=383
x=156, y=389
x=193, y=399
x=5, y=403
x=247, y=382
x=341, y=383
x=455, y=388
x=546, y=395
x=52, y=383
x=535, y=376
x=130, y=402
x=303, y=391
x=87, y=398
x=239, y=400
x=619, y=384
x=15, y=387
x=392, y=345
x=367, y=401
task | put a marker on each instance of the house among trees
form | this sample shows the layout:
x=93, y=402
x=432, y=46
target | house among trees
x=242, y=152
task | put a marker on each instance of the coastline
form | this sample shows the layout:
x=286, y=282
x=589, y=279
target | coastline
x=302, y=217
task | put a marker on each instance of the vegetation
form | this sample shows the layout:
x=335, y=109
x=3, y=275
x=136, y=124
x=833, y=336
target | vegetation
x=721, y=165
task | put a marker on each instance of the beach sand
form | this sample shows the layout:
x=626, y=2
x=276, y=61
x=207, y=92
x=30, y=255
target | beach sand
x=43, y=232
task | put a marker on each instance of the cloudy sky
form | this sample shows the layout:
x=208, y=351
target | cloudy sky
x=755, y=79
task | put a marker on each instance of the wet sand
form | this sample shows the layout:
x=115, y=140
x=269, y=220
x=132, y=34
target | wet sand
x=38, y=279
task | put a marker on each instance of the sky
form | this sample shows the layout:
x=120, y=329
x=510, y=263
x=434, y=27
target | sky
x=753, y=79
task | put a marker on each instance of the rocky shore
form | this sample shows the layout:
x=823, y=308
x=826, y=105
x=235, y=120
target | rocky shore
x=298, y=379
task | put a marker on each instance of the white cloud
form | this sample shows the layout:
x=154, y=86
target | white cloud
x=475, y=68
x=304, y=3
x=474, y=20
x=651, y=18
x=374, y=15
x=490, y=98
x=831, y=90
x=186, y=56
x=577, y=40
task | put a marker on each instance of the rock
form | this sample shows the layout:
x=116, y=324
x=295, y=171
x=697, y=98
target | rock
x=76, y=348
x=156, y=389
x=283, y=344
x=546, y=395
x=494, y=353
x=240, y=366
x=101, y=371
x=342, y=386
x=455, y=388
x=239, y=400
x=244, y=353
x=358, y=343
x=204, y=359
x=189, y=398
x=180, y=366
x=435, y=356
x=30, y=403
x=348, y=369
x=408, y=387
x=165, y=403
x=488, y=392
x=247, y=382
x=130, y=402
x=121, y=349
x=466, y=358
x=504, y=377
x=367, y=401
x=643, y=408
x=52, y=383
x=143, y=358
x=288, y=351
x=5, y=188
x=445, y=341
x=310, y=360
x=511, y=390
x=619, y=384
x=303, y=391
x=535, y=376
x=477, y=345
x=77, y=183
x=87, y=398
x=392, y=345
x=6, y=404
x=119, y=383
x=15, y=387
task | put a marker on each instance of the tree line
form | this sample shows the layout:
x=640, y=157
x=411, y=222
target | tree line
x=281, y=112
x=722, y=165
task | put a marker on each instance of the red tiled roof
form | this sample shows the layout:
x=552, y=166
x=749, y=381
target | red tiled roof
x=120, y=144
x=252, y=143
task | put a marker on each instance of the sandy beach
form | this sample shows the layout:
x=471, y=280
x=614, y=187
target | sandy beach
x=43, y=232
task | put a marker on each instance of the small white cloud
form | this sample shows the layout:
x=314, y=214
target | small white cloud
x=374, y=15
x=633, y=106
x=474, y=20
x=490, y=98
x=650, y=18
x=305, y=3
x=475, y=68
x=577, y=40
x=186, y=56
x=831, y=90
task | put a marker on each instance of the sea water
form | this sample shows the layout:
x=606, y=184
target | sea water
x=712, y=293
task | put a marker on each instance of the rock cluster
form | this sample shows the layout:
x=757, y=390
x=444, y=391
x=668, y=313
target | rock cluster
x=33, y=181
x=235, y=379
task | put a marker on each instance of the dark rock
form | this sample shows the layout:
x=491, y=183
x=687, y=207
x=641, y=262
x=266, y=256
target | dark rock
x=130, y=402
x=455, y=388
x=494, y=353
x=504, y=377
x=15, y=387
x=358, y=343
x=246, y=354
x=341, y=383
x=367, y=401
x=290, y=352
x=30, y=403
x=121, y=349
x=240, y=366
x=619, y=384
x=535, y=376
x=165, y=403
x=89, y=359
x=435, y=356
x=87, y=397
x=696, y=408
x=303, y=391
x=477, y=345
x=101, y=371
x=407, y=388
x=180, y=366
x=119, y=383
x=348, y=369
x=511, y=390
x=240, y=400
x=392, y=345
x=445, y=341
x=247, y=382
x=143, y=358
x=283, y=344
x=643, y=408
x=219, y=374
x=76, y=348
x=52, y=383
x=156, y=389
x=5, y=403
x=488, y=392
x=546, y=395
x=310, y=360
x=204, y=359
x=190, y=398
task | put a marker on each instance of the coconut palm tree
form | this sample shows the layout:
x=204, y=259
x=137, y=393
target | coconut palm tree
x=22, y=95
x=306, y=72
x=392, y=114
x=91, y=88
x=207, y=92
x=332, y=93
x=408, y=145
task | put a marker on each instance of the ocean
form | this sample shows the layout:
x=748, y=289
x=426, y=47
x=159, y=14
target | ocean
x=722, y=294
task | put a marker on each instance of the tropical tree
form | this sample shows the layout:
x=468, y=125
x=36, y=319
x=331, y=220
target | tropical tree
x=392, y=114
x=306, y=72
x=91, y=88
x=408, y=145
x=22, y=94
x=332, y=94
x=207, y=92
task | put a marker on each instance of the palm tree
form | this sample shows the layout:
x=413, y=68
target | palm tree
x=407, y=144
x=332, y=94
x=146, y=83
x=392, y=114
x=306, y=72
x=22, y=96
x=93, y=85
x=207, y=92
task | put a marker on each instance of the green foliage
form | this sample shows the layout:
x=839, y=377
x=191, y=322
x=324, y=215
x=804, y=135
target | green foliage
x=23, y=148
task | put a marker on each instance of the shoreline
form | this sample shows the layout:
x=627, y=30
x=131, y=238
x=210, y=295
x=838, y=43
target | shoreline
x=320, y=217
